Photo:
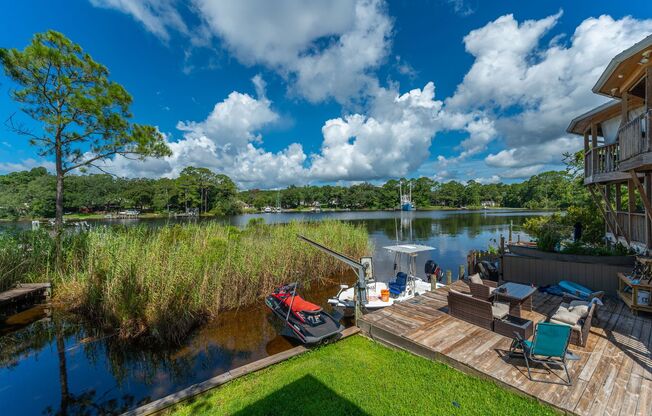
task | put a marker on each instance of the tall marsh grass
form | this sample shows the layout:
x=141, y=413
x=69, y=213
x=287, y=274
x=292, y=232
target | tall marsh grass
x=161, y=282
x=25, y=257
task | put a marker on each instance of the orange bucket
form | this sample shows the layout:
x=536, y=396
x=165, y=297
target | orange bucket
x=384, y=295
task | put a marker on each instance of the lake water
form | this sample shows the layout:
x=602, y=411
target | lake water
x=52, y=362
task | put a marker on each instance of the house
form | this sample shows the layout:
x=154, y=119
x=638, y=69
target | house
x=618, y=147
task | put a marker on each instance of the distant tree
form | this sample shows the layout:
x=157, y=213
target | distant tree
x=84, y=116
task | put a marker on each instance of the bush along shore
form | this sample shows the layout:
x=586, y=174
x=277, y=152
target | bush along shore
x=159, y=283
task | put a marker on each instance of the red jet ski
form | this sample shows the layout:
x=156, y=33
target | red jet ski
x=306, y=321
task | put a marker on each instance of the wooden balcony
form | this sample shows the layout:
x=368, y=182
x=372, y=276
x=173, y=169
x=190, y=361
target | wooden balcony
x=633, y=225
x=632, y=151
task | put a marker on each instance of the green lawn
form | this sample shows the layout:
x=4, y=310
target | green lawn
x=357, y=376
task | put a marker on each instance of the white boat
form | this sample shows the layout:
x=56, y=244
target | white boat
x=413, y=286
x=405, y=287
x=267, y=210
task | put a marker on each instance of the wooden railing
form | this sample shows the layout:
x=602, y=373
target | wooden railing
x=634, y=137
x=635, y=230
x=602, y=159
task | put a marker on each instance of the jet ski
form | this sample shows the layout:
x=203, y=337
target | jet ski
x=303, y=320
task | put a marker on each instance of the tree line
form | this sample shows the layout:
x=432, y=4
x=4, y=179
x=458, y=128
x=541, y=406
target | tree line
x=548, y=190
x=32, y=194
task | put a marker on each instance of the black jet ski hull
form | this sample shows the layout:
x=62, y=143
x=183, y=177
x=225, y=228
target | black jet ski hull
x=306, y=333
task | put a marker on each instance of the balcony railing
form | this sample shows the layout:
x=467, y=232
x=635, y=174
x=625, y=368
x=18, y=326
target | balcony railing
x=603, y=159
x=634, y=138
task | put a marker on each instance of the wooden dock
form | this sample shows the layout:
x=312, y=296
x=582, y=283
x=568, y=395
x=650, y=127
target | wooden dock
x=26, y=293
x=612, y=377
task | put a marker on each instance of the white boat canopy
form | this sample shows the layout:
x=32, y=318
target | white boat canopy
x=409, y=248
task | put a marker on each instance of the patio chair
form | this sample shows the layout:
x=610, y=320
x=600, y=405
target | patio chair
x=398, y=286
x=549, y=347
x=481, y=288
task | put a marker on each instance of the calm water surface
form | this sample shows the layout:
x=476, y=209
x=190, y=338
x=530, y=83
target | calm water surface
x=52, y=362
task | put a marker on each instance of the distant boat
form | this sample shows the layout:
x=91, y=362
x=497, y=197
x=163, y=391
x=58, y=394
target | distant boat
x=278, y=202
x=406, y=199
x=267, y=210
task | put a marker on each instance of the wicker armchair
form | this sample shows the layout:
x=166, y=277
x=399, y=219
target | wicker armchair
x=482, y=291
x=568, y=298
x=579, y=331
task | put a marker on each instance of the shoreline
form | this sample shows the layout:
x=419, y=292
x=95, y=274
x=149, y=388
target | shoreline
x=157, y=215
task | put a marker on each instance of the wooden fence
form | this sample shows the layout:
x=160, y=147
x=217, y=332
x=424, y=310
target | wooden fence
x=542, y=272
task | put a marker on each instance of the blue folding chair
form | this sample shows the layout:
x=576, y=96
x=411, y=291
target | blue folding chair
x=398, y=286
x=549, y=346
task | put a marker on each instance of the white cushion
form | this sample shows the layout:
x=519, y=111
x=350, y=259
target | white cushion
x=475, y=278
x=500, y=310
x=575, y=326
x=580, y=308
x=566, y=316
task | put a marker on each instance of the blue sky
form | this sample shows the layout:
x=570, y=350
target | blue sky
x=276, y=93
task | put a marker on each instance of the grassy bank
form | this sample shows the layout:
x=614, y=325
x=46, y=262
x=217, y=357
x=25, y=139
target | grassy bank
x=160, y=282
x=359, y=377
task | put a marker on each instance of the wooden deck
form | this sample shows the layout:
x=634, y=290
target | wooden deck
x=612, y=377
x=26, y=292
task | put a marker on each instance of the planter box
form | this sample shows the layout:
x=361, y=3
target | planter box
x=533, y=252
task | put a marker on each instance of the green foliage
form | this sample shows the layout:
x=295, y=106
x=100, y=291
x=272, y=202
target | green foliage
x=31, y=194
x=595, y=250
x=592, y=222
x=84, y=116
x=358, y=377
x=549, y=231
x=216, y=194
x=162, y=282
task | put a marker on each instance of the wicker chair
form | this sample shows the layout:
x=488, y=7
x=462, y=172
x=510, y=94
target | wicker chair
x=475, y=310
x=482, y=291
x=568, y=298
x=580, y=331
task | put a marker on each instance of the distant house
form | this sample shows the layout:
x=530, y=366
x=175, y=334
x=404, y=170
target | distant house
x=618, y=146
x=488, y=204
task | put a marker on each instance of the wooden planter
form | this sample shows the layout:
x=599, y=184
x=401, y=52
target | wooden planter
x=572, y=258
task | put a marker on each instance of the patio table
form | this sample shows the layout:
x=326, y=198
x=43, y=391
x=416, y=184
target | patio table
x=518, y=295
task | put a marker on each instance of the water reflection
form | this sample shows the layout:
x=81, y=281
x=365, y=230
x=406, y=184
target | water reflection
x=52, y=362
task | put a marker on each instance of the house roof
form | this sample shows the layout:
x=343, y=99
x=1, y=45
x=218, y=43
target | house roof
x=624, y=69
x=603, y=112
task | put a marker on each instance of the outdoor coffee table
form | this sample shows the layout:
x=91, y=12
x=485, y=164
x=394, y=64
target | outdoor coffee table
x=519, y=296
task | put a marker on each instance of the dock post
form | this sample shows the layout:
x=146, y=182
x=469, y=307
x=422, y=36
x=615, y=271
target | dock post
x=460, y=272
x=502, y=258
x=356, y=309
x=511, y=224
x=449, y=277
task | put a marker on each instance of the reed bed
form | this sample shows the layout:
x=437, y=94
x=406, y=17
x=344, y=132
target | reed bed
x=160, y=283
x=25, y=257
